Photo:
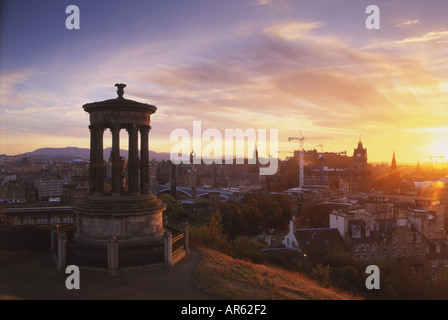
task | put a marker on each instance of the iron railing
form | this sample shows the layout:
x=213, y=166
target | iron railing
x=137, y=253
x=177, y=241
x=87, y=254
x=133, y=253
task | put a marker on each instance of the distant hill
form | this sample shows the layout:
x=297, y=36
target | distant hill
x=71, y=153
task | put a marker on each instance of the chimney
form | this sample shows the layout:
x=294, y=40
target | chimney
x=402, y=221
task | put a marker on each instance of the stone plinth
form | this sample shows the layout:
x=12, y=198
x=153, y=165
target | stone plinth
x=124, y=217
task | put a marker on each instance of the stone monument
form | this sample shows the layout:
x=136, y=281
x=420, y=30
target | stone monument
x=122, y=228
x=128, y=212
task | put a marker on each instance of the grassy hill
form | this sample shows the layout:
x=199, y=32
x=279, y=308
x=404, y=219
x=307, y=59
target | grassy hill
x=231, y=278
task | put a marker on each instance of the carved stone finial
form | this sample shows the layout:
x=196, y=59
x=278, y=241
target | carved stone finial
x=120, y=89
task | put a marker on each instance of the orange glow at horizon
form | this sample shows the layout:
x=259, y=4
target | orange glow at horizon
x=290, y=72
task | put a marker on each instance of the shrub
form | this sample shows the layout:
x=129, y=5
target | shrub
x=245, y=248
x=322, y=275
x=209, y=235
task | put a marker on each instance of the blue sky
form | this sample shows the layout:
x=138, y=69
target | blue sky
x=270, y=64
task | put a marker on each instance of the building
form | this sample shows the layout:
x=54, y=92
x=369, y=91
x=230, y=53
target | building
x=400, y=228
x=49, y=187
x=12, y=191
x=394, y=175
x=360, y=174
x=437, y=260
x=314, y=243
x=153, y=178
x=40, y=215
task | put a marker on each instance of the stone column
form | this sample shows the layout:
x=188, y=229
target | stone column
x=144, y=159
x=168, y=240
x=54, y=243
x=62, y=250
x=100, y=161
x=116, y=160
x=112, y=256
x=133, y=161
x=96, y=178
x=92, y=170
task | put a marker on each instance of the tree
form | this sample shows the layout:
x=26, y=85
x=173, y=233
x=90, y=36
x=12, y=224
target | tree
x=272, y=213
x=347, y=278
x=233, y=220
x=209, y=235
x=244, y=247
x=284, y=203
x=269, y=208
x=174, y=210
x=253, y=218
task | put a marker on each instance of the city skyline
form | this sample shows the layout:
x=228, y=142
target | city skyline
x=296, y=66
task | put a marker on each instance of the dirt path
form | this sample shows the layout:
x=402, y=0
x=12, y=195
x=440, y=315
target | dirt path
x=39, y=279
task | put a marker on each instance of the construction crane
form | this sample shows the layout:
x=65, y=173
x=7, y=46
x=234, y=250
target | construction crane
x=301, y=142
x=321, y=150
x=431, y=156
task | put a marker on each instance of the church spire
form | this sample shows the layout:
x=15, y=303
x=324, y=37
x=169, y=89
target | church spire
x=418, y=168
x=394, y=162
x=255, y=153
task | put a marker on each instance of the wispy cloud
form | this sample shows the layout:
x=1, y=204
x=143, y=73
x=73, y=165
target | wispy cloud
x=34, y=110
x=407, y=23
x=292, y=30
x=328, y=84
x=257, y=72
x=263, y=2
x=441, y=36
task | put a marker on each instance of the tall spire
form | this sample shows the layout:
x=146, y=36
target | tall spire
x=394, y=162
x=418, y=168
x=255, y=153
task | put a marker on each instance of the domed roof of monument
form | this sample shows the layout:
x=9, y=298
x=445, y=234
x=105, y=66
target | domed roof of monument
x=118, y=103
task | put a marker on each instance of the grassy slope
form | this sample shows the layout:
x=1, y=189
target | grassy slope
x=230, y=278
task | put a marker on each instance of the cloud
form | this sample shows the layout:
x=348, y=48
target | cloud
x=315, y=82
x=34, y=110
x=442, y=36
x=285, y=75
x=329, y=77
x=263, y=2
x=407, y=23
x=292, y=30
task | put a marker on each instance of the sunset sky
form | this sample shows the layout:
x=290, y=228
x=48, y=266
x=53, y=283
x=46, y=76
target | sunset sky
x=292, y=65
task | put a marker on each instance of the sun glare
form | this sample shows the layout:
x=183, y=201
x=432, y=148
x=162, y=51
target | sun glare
x=439, y=150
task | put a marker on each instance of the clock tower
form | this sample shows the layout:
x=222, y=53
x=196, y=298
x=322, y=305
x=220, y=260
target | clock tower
x=359, y=180
x=360, y=159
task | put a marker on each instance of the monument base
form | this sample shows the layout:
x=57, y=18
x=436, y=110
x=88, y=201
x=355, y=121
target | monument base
x=123, y=217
